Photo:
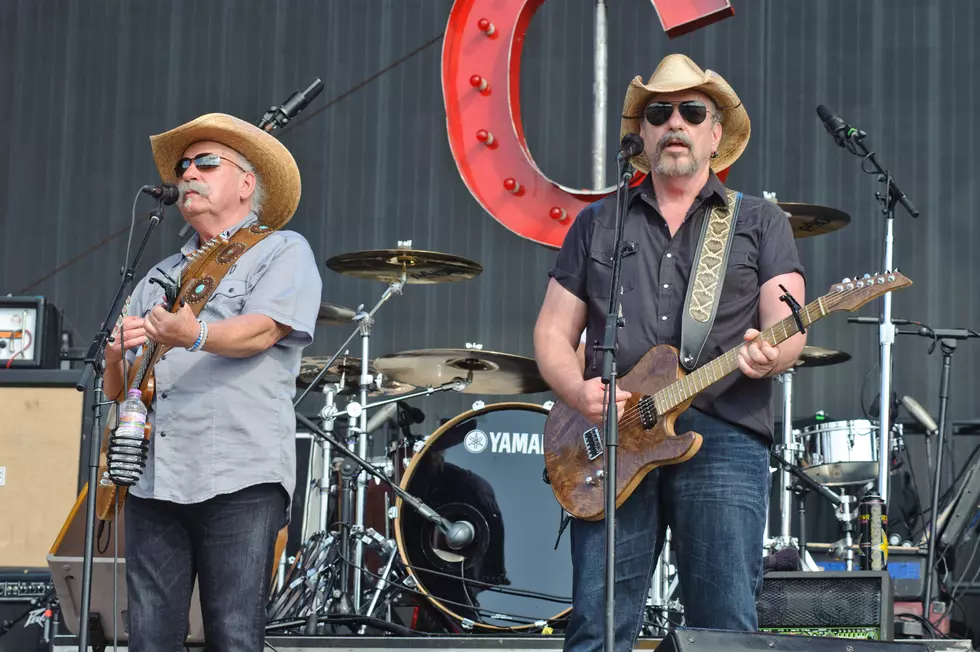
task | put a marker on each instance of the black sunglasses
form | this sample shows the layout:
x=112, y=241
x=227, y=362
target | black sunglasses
x=203, y=161
x=692, y=111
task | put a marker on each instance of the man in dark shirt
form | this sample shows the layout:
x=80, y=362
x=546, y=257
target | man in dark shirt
x=692, y=124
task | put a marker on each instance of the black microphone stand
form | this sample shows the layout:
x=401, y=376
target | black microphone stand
x=95, y=365
x=609, y=375
x=946, y=338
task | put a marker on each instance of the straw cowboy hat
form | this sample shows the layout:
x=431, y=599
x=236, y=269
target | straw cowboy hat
x=273, y=163
x=677, y=72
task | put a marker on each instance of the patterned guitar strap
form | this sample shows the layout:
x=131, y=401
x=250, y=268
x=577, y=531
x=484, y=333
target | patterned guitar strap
x=707, y=278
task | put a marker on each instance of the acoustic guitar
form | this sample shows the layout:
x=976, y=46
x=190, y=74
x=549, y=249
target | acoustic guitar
x=662, y=391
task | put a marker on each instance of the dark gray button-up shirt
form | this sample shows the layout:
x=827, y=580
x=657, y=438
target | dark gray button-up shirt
x=222, y=424
x=654, y=279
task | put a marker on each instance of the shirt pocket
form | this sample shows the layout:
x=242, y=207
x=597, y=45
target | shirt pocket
x=741, y=275
x=601, y=268
x=228, y=299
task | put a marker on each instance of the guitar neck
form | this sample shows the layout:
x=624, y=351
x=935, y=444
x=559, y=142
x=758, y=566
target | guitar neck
x=703, y=377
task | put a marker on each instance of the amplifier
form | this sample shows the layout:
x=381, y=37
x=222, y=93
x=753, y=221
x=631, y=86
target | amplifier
x=27, y=583
x=25, y=595
x=704, y=640
x=906, y=567
x=29, y=333
x=854, y=604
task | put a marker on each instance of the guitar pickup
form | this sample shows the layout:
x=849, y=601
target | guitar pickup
x=593, y=442
x=648, y=412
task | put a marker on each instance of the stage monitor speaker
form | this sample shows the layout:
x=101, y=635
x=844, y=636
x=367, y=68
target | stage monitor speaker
x=40, y=438
x=849, y=604
x=713, y=640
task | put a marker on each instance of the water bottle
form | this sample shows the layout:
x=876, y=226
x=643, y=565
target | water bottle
x=126, y=455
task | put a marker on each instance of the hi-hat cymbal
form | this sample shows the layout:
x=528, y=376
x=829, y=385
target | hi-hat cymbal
x=348, y=370
x=419, y=266
x=815, y=356
x=493, y=373
x=330, y=314
x=809, y=219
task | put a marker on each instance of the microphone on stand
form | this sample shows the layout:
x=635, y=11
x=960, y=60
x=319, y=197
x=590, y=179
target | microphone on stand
x=279, y=116
x=920, y=414
x=630, y=146
x=165, y=192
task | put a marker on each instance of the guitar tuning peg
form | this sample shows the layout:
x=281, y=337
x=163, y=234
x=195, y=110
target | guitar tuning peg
x=867, y=276
x=845, y=280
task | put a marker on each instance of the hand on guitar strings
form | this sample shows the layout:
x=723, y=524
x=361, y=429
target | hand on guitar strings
x=757, y=358
x=178, y=329
x=591, y=397
x=134, y=334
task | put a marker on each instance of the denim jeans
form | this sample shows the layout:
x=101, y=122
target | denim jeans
x=715, y=505
x=227, y=542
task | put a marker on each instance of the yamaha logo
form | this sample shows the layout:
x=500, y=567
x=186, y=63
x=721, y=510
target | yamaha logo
x=476, y=441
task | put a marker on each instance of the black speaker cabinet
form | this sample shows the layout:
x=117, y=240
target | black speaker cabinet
x=709, y=640
x=849, y=604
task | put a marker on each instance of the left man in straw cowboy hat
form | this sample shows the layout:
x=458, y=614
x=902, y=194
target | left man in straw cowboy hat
x=692, y=124
x=219, y=480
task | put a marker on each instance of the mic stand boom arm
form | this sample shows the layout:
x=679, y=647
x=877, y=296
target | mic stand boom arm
x=95, y=364
x=424, y=510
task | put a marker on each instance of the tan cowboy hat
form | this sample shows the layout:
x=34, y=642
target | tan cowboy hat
x=678, y=73
x=273, y=163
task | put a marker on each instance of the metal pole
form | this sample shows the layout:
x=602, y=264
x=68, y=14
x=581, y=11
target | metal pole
x=785, y=504
x=599, y=97
x=886, y=339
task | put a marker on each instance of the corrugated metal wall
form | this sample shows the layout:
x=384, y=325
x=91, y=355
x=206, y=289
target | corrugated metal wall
x=88, y=82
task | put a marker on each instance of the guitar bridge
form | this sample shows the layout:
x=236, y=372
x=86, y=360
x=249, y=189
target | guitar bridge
x=593, y=442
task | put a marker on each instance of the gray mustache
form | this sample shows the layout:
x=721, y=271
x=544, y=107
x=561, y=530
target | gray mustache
x=674, y=136
x=199, y=187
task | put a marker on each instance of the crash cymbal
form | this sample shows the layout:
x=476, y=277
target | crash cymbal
x=331, y=314
x=493, y=373
x=815, y=356
x=809, y=220
x=347, y=369
x=419, y=266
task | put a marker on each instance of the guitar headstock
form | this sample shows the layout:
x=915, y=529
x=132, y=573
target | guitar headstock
x=851, y=294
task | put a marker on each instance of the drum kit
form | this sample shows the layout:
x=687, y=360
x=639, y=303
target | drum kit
x=367, y=544
x=482, y=468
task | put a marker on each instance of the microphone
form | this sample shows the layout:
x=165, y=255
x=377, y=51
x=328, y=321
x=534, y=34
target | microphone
x=630, y=146
x=459, y=534
x=920, y=414
x=166, y=193
x=412, y=414
x=835, y=126
x=279, y=116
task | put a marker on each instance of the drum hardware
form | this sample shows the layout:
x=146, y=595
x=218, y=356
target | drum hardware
x=405, y=265
x=808, y=220
x=330, y=314
x=660, y=603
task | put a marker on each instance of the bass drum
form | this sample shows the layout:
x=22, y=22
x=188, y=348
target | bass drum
x=486, y=466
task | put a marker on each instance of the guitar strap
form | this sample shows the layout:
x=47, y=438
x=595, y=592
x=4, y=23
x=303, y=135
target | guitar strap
x=209, y=265
x=707, y=278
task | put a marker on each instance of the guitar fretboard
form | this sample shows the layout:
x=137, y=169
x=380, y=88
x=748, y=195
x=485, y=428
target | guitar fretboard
x=695, y=382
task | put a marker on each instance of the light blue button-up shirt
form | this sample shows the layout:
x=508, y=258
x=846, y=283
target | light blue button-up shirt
x=222, y=424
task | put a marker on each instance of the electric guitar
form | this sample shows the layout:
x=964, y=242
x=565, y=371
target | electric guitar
x=662, y=391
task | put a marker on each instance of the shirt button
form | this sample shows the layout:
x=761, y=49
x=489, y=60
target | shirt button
x=666, y=286
x=663, y=318
x=163, y=433
x=670, y=256
x=163, y=395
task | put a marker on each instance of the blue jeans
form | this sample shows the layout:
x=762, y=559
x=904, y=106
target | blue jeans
x=715, y=505
x=227, y=542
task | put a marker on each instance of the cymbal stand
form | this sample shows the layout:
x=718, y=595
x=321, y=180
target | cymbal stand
x=845, y=514
x=786, y=450
x=661, y=590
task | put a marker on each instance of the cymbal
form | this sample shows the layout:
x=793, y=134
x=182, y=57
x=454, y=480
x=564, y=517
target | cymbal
x=419, y=266
x=330, y=314
x=493, y=373
x=809, y=220
x=348, y=369
x=815, y=356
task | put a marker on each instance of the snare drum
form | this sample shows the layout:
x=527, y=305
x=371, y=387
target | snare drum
x=486, y=466
x=839, y=453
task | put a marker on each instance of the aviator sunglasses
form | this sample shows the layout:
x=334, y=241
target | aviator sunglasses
x=692, y=111
x=203, y=161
